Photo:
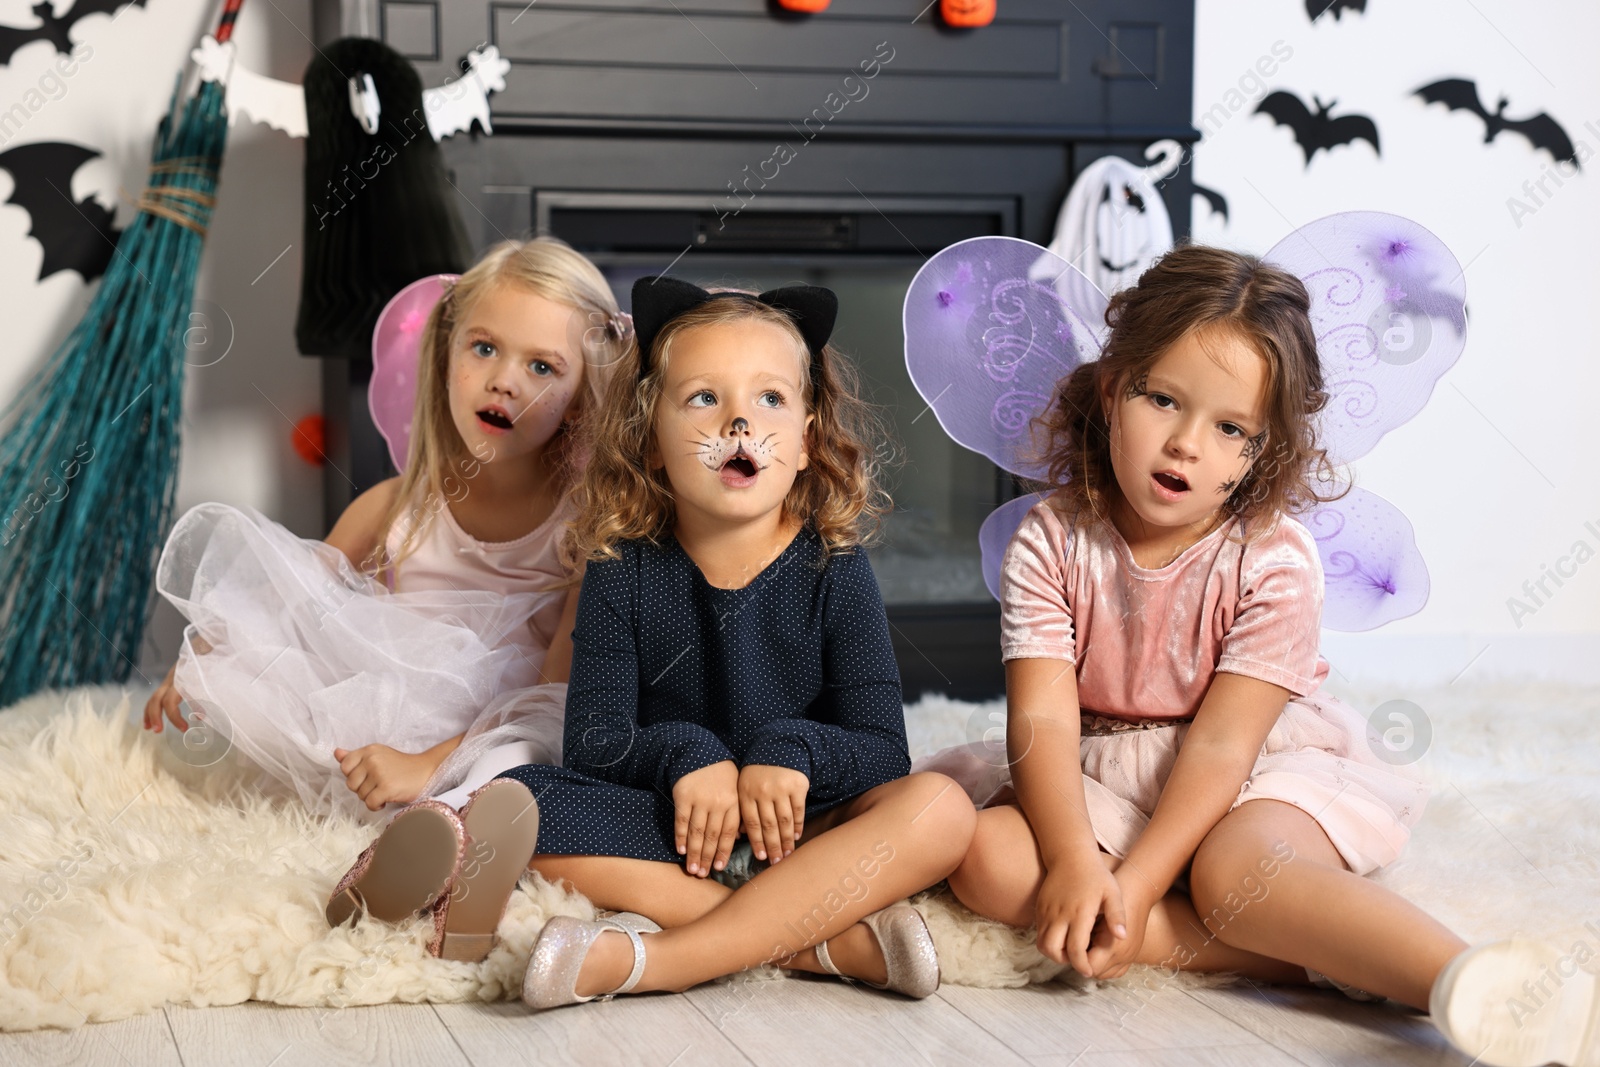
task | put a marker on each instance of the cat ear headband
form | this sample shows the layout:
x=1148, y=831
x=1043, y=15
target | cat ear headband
x=659, y=300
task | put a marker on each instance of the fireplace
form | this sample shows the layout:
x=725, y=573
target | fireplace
x=703, y=139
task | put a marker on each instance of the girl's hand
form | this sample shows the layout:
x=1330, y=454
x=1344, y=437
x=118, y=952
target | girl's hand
x=164, y=701
x=707, y=822
x=1111, y=956
x=1073, y=895
x=380, y=775
x=772, y=801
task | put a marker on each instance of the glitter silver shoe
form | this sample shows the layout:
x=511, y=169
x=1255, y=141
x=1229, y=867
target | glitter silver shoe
x=908, y=953
x=552, y=977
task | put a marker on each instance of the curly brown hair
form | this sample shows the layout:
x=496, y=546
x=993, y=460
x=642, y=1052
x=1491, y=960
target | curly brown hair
x=838, y=493
x=1199, y=288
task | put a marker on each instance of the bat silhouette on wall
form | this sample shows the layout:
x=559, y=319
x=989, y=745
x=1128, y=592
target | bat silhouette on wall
x=1214, y=199
x=55, y=29
x=75, y=236
x=1317, y=8
x=1316, y=131
x=1541, y=130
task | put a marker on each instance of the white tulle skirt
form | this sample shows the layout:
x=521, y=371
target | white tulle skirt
x=308, y=655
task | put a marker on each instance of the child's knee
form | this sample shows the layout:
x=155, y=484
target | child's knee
x=943, y=809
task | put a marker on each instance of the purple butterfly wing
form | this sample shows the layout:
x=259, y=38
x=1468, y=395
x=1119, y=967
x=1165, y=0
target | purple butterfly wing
x=1388, y=305
x=995, y=534
x=1372, y=570
x=396, y=346
x=988, y=335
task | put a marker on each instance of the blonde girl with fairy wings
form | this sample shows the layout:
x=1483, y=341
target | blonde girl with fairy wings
x=1181, y=793
x=425, y=645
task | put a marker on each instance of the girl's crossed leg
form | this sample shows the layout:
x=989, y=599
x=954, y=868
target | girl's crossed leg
x=1316, y=912
x=1275, y=895
x=889, y=842
x=1003, y=870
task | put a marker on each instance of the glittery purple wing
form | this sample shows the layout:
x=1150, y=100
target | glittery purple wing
x=988, y=335
x=995, y=534
x=1388, y=304
x=1372, y=570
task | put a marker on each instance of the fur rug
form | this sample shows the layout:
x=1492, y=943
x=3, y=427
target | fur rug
x=129, y=879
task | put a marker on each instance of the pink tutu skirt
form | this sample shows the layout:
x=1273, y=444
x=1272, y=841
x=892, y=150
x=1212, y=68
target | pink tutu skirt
x=1321, y=756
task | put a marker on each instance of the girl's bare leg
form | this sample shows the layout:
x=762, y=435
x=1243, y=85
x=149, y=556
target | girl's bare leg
x=664, y=892
x=886, y=844
x=1000, y=877
x=1312, y=910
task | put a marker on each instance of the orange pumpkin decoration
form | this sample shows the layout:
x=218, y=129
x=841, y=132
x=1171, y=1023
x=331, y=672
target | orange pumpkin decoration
x=967, y=14
x=309, y=439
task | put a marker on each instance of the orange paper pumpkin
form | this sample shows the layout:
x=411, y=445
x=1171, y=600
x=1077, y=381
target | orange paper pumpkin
x=310, y=437
x=967, y=14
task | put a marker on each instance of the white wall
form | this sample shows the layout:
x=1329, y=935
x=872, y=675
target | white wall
x=236, y=444
x=1498, y=473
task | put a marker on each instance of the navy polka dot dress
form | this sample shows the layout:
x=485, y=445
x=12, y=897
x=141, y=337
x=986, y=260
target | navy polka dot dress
x=671, y=674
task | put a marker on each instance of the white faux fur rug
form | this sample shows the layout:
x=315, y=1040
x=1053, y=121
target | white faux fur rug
x=129, y=880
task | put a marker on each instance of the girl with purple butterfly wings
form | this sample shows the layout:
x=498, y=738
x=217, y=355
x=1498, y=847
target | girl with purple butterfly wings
x=1160, y=613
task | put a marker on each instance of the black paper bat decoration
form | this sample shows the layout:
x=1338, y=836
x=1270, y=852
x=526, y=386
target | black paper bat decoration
x=1216, y=200
x=54, y=29
x=1315, y=130
x=75, y=236
x=1317, y=8
x=1541, y=130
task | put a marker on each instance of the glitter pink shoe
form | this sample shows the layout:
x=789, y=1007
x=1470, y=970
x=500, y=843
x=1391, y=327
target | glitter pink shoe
x=908, y=953
x=410, y=866
x=502, y=828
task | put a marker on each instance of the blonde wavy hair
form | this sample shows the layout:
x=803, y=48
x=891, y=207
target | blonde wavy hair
x=439, y=465
x=838, y=493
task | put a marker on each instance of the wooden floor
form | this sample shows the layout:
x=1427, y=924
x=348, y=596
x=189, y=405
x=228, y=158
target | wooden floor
x=797, y=1021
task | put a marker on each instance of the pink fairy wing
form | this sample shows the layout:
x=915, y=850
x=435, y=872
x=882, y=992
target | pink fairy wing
x=1388, y=305
x=1372, y=570
x=989, y=331
x=396, y=349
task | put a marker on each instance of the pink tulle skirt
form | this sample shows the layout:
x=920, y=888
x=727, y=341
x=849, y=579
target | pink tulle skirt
x=1321, y=756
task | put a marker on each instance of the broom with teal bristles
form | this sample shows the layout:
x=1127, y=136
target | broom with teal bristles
x=89, y=462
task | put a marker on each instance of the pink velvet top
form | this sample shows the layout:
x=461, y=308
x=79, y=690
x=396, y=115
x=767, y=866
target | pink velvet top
x=1146, y=643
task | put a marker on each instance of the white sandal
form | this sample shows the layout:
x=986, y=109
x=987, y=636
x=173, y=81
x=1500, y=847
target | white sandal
x=1515, y=1004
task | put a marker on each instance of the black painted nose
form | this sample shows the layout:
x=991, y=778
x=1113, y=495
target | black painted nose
x=740, y=425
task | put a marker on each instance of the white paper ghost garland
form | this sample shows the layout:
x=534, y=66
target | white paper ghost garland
x=449, y=109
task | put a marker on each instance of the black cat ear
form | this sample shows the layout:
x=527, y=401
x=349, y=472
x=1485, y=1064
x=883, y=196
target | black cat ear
x=657, y=301
x=812, y=308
